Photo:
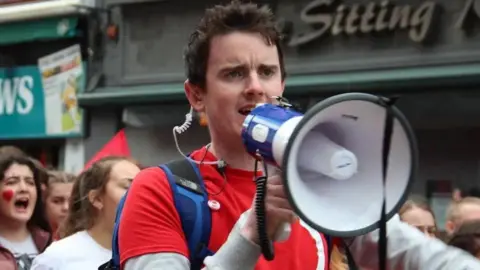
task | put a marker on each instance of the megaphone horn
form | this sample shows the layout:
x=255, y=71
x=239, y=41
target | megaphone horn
x=331, y=159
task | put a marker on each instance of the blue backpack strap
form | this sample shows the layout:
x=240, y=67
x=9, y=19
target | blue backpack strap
x=191, y=201
x=118, y=214
x=114, y=263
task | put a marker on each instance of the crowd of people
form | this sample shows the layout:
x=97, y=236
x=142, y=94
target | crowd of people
x=462, y=224
x=57, y=221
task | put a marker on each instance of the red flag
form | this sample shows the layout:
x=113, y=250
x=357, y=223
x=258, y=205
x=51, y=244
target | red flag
x=117, y=146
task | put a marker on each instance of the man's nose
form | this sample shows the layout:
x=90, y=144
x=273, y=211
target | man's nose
x=254, y=85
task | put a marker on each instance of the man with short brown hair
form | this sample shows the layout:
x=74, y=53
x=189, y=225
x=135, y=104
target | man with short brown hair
x=234, y=61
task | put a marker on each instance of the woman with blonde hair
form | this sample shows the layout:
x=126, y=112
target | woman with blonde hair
x=58, y=189
x=416, y=212
x=87, y=230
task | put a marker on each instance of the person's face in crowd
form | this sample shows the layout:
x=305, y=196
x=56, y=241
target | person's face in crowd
x=121, y=176
x=466, y=212
x=243, y=70
x=57, y=202
x=19, y=195
x=421, y=219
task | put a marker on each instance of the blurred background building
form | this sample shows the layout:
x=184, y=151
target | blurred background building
x=424, y=51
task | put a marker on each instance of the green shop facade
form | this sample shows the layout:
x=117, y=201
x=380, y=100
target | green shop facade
x=47, y=56
x=426, y=51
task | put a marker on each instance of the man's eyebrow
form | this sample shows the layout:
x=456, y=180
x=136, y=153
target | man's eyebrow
x=232, y=66
x=270, y=66
x=239, y=65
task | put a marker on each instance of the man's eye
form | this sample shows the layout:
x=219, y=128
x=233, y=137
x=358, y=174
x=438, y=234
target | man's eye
x=267, y=72
x=234, y=74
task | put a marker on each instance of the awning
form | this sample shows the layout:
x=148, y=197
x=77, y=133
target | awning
x=32, y=10
x=50, y=28
x=399, y=80
x=132, y=95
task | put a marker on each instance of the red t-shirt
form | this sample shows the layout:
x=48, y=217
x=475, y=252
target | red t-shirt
x=151, y=224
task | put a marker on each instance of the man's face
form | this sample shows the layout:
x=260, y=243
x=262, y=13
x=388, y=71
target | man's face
x=242, y=70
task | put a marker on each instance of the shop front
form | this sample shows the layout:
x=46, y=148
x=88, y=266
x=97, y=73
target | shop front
x=43, y=66
x=424, y=51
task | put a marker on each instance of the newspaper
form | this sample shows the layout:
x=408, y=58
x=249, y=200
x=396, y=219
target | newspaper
x=62, y=76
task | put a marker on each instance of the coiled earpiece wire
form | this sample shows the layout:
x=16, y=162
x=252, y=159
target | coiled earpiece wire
x=181, y=129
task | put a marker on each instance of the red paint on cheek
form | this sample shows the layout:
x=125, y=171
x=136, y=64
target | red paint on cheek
x=7, y=195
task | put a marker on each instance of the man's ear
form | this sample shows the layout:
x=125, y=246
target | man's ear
x=449, y=227
x=195, y=96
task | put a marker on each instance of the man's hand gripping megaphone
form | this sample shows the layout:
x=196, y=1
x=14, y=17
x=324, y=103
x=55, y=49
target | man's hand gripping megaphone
x=278, y=213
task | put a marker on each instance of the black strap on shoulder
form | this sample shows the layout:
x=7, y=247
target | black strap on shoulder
x=351, y=262
x=185, y=175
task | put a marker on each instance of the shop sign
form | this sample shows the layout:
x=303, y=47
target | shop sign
x=333, y=18
x=40, y=101
x=471, y=10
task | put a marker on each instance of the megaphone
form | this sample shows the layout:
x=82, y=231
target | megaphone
x=331, y=159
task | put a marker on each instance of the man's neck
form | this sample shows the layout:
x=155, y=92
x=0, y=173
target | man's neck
x=101, y=235
x=236, y=157
x=14, y=231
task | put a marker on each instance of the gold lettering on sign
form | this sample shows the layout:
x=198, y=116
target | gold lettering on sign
x=364, y=19
x=471, y=7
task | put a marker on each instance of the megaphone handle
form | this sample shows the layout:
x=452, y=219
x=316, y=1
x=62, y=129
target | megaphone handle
x=266, y=244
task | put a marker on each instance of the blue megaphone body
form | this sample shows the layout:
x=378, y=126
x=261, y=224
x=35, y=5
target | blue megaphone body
x=268, y=129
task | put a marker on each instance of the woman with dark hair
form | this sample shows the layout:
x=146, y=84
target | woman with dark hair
x=86, y=233
x=467, y=238
x=24, y=229
x=416, y=212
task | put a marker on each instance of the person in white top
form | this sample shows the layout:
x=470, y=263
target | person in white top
x=24, y=230
x=86, y=235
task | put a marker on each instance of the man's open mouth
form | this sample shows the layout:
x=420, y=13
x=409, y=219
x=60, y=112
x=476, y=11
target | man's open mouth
x=245, y=111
